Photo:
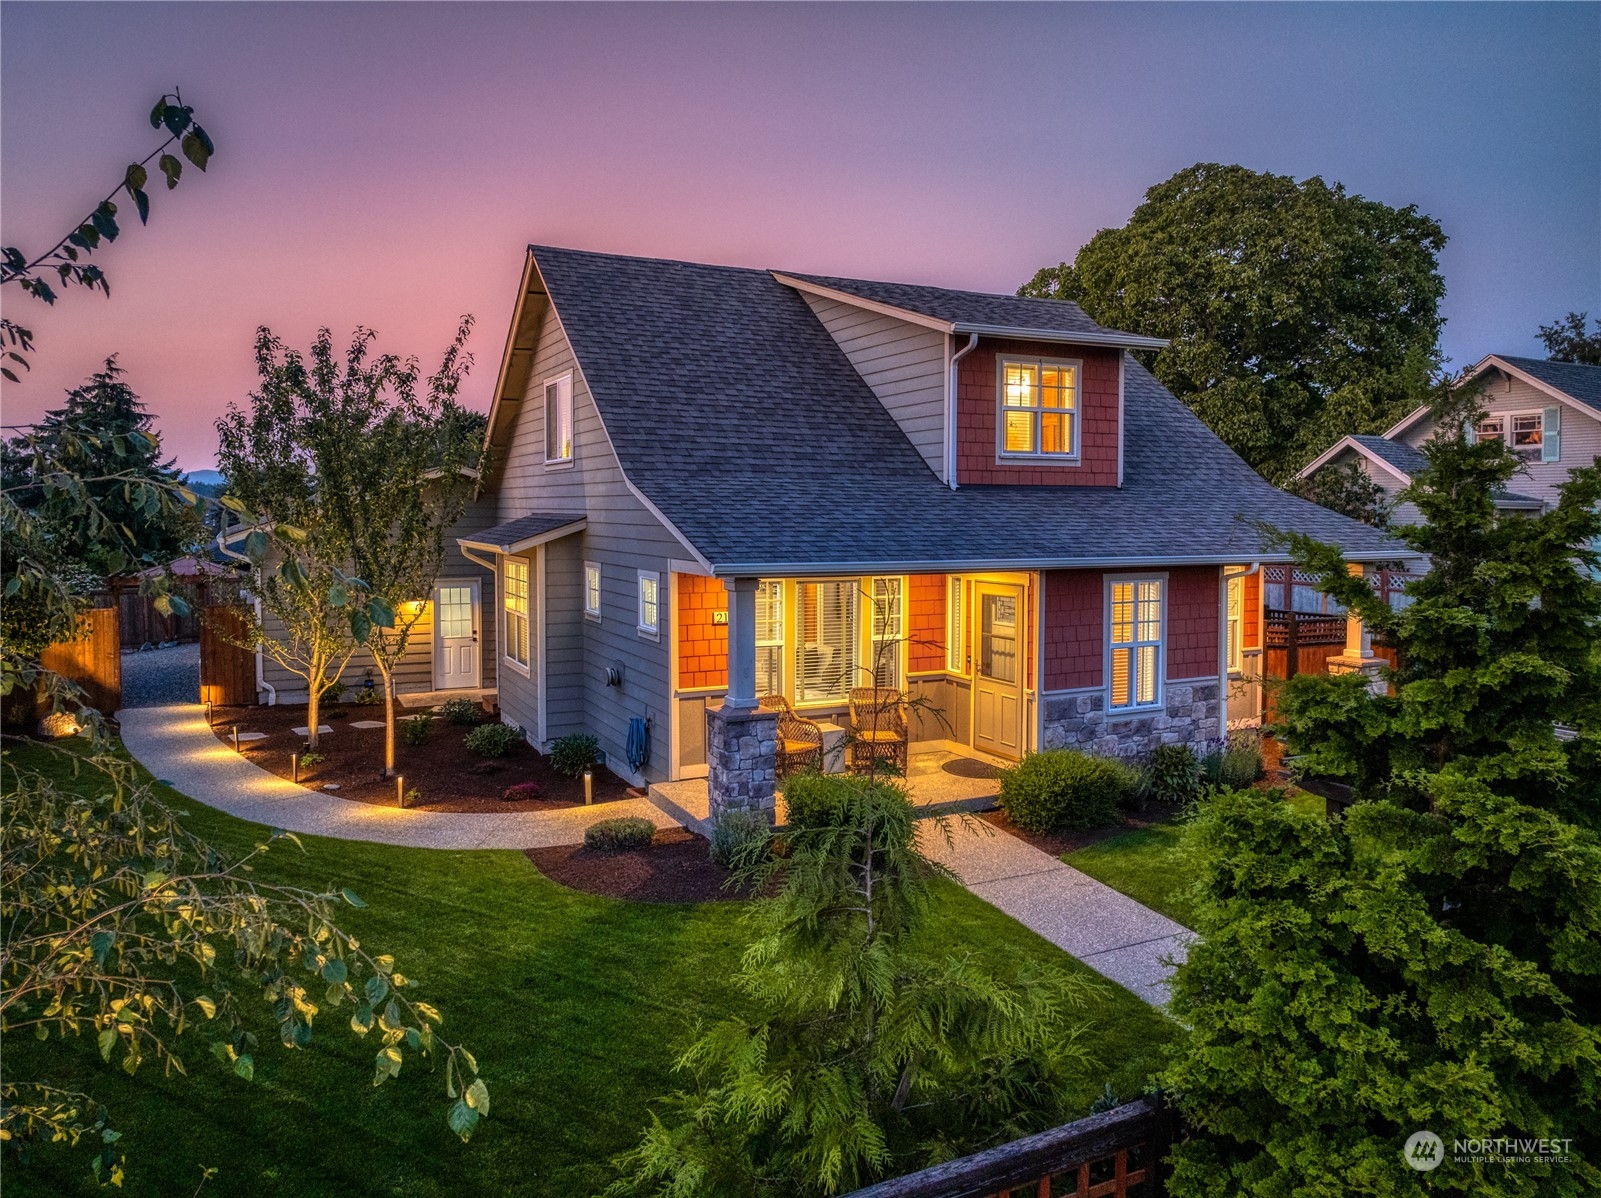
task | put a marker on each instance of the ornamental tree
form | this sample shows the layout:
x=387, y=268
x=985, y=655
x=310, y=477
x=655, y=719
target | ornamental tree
x=1298, y=313
x=867, y=1057
x=1432, y=959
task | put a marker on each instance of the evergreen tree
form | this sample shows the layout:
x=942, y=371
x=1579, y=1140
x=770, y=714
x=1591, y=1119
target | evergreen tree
x=1432, y=959
x=1567, y=341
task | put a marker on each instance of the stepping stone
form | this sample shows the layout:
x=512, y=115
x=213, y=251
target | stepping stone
x=248, y=736
x=330, y=786
x=321, y=728
x=367, y=724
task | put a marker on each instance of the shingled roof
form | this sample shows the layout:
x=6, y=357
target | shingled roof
x=982, y=312
x=735, y=413
x=1403, y=457
x=1577, y=381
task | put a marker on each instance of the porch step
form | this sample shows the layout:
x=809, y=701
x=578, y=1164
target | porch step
x=685, y=802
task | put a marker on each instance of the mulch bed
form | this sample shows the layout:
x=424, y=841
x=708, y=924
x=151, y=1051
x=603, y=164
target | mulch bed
x=676, y=867
x=447, y=775
x=1057, y=843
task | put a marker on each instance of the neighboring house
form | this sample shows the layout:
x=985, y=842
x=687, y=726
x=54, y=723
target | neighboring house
x=979, y=499
x=1548, y=412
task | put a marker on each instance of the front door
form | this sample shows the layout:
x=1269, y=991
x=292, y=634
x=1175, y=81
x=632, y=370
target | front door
x=456, y=656
x=998, y=670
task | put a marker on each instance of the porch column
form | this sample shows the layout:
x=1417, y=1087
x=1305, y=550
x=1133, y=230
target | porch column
x=741, y=738
x=1358, y=656
x=741, y=642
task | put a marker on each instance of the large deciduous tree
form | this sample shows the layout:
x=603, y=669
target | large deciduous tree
x=1297, y=313
x=1431, y=960
x=370, y=463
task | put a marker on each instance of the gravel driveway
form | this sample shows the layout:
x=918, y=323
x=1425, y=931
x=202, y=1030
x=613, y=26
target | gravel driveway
x=159, y=677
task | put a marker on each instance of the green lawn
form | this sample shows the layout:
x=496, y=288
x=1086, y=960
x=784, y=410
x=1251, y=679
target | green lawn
x=1147, y=864
x=573, y=1005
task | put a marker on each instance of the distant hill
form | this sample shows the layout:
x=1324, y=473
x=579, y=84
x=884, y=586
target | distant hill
x=207, y=482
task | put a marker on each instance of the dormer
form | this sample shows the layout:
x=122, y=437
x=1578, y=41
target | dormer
x=991, y=389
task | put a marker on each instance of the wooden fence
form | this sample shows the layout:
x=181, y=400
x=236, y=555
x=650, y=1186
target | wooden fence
x=94, y=661
x=1119, y=1154
x=227, y=669
x=143, y=625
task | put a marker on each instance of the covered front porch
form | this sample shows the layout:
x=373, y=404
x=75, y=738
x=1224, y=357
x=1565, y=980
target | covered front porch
x=962, y=650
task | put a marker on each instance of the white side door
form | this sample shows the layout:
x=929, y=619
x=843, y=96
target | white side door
x=457, y=660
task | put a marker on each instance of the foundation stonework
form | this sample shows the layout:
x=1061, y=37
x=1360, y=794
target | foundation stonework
x=741, y=759
x=1190, y=714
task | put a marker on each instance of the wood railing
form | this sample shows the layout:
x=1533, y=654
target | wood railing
x=1119, y=1154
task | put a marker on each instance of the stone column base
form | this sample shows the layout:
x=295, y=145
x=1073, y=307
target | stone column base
x=1373, y=667
x=741, y=759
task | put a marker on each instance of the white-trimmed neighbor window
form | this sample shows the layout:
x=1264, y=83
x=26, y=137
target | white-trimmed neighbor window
x=888, y=634
x=1135, y=620
x=559, y=419
x=770, y=638
x=592, y=590
x=515, y=590
x=650, y=603
x=825, y=640
x=1039, y=408
x=956, y=625
x=1236, y=620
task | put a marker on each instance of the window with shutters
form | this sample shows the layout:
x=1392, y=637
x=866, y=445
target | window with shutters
x=825, y=640
x=770, y=638
x=1135, y=625
x=515, y=590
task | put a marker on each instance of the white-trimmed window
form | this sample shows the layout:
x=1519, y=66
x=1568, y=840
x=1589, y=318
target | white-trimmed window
x=1528, y=435
x=1135, y=621
x=956, y=625
x=1039, y=408
x=1236, y=621
x=825, y=640
x=1491, y=428
x=650, y=603
x=592, y=590
x=515, y=591
x=559, y=419
x=887, y=637
x=770, y=638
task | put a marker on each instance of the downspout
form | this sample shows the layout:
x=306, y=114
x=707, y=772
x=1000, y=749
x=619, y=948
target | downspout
x=950, y=410
x=261, y=666
x=1223, y=642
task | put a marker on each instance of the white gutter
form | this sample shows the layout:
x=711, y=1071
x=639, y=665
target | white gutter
x=261, y=668
x=1063, y=336
x=951, y=411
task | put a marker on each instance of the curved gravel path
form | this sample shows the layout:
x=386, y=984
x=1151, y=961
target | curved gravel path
x=158, y=677
x=174, y=743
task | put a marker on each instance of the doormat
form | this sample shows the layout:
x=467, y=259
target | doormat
x=968, y=767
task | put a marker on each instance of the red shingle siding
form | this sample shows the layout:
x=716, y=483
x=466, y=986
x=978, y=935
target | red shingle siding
x=1252, y=616
x=1192, y=622
x=1075, y=625
x=925, y=622
x=976, y=414
x=1074, y=615
x=702, y=645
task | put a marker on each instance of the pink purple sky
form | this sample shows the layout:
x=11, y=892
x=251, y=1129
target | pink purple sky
x=386, y=164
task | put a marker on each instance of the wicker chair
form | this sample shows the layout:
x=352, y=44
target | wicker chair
x=800, y=745
x=776, y=702
x=878, y=717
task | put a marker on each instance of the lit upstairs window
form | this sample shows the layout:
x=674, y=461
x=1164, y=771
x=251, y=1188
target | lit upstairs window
x=1039, y=408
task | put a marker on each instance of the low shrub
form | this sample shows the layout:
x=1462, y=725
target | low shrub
x=1175, y=774
x=492, y=740
x=740, y=838
x=461, y=711
x=572, y=755
x=369, y=696
x=625, y=832
x=815, y=800
x=1063, y=788
x=333, y=692
x=312, y=758
x=1235, y=764
x=524, y=790
x=415, y=729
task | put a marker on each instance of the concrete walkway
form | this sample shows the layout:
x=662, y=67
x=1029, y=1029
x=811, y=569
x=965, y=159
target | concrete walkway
x=175, y=745
x=1111, y=933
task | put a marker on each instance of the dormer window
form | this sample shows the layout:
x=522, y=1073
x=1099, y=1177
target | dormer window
x=1038, y=409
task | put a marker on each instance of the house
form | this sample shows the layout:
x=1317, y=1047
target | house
x=706, y=484
x=1548, y=412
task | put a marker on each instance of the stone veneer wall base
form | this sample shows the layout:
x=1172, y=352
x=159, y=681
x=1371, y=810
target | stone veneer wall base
x=1191, y=713
x=741, y=760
